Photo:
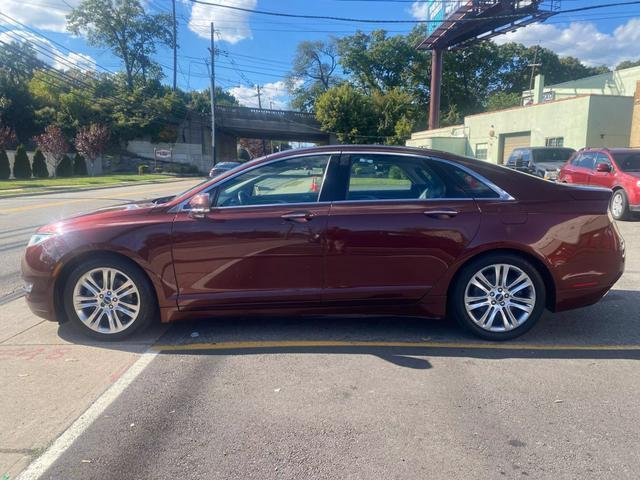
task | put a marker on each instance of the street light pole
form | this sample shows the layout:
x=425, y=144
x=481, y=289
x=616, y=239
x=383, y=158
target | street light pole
x=213, y=98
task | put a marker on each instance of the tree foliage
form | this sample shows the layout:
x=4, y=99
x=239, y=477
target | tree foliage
x=5, y=168
x=628, y=64
x=21, y=165
x=54, y=144
x=127, y=30
x=312, y=73
x=40, y=169
x=79, y=165
x=92, y=141
x=65, y=167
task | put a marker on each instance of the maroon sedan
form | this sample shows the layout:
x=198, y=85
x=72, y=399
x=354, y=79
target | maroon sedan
x=336, y=229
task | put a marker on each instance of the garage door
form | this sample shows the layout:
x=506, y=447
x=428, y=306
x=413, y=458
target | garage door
x=512, y=141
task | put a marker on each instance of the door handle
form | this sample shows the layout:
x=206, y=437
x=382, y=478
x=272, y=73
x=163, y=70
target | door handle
x=444, y=213
x=297, y=216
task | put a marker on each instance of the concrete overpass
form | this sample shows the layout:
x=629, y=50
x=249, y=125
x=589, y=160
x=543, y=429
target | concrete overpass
x=233, y=123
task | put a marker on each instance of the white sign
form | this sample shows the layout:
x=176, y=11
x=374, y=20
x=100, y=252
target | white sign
x=163, y=153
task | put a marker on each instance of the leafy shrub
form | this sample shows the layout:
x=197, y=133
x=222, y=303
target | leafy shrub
x=65, y=167
x=21, y=165
x=143, y=169
x=5, y=168
x=40, y=169
x=396, y=173
x=79, y=165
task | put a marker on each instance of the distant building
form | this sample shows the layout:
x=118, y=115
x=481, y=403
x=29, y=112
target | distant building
x=590, y=112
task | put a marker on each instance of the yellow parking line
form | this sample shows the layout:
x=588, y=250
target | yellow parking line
x=449, y=345
x=69, y=202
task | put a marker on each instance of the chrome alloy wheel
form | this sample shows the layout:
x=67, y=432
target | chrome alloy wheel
x=106, y=300
x=500, y=297
x=617, y=206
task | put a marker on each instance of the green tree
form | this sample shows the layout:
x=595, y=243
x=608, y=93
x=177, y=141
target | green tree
x=628, y=64
x=348, y=113
x=40, y=169
x=79, y=166
x=502, y=100
x=5, y=168
x=123, y=26
x=21, y=165
x=312, y=73
x=65, y=167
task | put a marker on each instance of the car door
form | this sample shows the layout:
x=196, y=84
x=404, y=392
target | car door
x=602, y=179
x=581, y=168
x=401, y=221
x=261, y=243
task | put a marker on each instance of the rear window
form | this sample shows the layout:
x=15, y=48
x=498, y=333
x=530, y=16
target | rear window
x=628, y=162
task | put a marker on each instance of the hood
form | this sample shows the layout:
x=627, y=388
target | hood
x=633, y=174
x=549, y=165
x=114, y=214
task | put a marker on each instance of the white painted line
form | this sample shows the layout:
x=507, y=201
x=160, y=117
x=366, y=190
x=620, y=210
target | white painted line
x=64, y=441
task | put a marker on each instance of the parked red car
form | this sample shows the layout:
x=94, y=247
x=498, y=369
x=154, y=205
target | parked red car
x=335, y=229
x=615, y=168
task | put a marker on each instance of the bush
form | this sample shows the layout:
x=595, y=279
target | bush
x=5, y=168
x=143, y=169
x=79, y=165
x=396, y=173
x=65, y=167
x=40, y=169
x=21, y=165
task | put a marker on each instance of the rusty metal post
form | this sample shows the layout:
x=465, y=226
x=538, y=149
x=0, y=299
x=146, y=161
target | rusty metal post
x=434, y=93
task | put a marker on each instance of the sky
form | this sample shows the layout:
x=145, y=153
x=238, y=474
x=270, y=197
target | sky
x=257, y=49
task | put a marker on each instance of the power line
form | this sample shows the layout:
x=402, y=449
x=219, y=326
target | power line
x=415, y=21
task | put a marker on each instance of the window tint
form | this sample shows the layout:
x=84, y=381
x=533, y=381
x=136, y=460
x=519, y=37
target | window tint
x=389, y=177
x=628, y=161
x=295, y=180
x=472, y=186
x=587, y=160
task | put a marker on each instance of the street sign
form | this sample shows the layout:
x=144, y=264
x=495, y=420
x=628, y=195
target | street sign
x=163, y=153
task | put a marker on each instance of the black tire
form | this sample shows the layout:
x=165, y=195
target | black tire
x=147, y=299
x=457, y=295
x=624, y=214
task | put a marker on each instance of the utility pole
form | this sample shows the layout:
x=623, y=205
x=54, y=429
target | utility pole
x=175, y=45
x=264, y=144
x=212, y=50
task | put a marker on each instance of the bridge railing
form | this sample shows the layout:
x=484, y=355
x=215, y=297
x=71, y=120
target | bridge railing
x=265, y=114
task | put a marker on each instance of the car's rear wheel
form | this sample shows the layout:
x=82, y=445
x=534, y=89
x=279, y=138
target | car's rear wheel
x=108, y=298
x=620, y=205
x=498, y=297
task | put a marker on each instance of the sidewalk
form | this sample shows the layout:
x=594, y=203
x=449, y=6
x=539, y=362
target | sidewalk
x=29, y=192
x=50, y=376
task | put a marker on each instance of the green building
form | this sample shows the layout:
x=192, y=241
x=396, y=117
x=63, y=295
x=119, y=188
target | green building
x=590, y=112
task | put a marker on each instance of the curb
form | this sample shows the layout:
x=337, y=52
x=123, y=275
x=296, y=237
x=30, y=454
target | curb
x=82, y=189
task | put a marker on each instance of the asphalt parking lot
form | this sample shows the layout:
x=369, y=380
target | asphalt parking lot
x=336, y=397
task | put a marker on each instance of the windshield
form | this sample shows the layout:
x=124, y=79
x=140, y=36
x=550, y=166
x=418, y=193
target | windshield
x=552, y=155
x=628, y=161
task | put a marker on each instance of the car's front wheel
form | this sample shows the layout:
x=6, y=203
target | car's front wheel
x=498, y=297
x=108, y=298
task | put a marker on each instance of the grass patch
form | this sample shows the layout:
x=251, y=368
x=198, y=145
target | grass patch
x=98, y=180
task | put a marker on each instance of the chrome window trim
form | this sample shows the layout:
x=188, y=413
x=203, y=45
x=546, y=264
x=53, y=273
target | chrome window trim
x=180, y=207
x=502, y=194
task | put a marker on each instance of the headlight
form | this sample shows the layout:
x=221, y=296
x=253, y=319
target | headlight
x=638, y=183
x=38, y=238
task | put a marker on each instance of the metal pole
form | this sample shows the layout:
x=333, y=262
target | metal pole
x=264, y=145
x=175, y=45
x=213, y=98
x=436, y=81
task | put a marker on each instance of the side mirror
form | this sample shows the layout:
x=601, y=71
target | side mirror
x=199, y=205
x=603, y=167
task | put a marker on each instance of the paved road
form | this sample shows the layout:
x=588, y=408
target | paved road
x=20, y=216
x=293, y=398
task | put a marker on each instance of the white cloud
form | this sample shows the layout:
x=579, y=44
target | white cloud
x=50, y=17
x=582, y=40
x=48, y=53
x=270, y=93
x=231, y=25
x=419, y=10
